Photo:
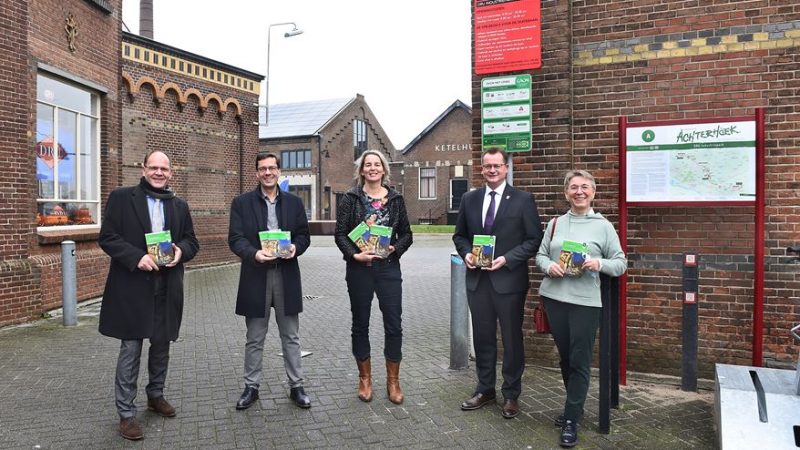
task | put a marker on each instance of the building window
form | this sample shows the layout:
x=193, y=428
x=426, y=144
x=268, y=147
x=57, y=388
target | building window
x=427, y=182
x=67, y=153
x=458, y=187
x=296, y=159
x=359, y=138
x=304, y=192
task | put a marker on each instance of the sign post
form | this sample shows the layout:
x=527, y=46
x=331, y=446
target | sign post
x=506, y=113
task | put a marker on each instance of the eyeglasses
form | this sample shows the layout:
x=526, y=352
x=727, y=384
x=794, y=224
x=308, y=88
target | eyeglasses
x=582, y=187
x=155, y=169
x=492, y=166
x=273, y=169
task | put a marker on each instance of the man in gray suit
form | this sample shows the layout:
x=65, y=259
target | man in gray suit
x=267, y=282
x=498, y=292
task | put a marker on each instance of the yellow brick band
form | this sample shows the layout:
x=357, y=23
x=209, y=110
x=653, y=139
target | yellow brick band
x=614, y=52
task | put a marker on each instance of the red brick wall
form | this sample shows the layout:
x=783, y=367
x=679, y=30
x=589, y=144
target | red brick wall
x=667, y=61
x=18, y=278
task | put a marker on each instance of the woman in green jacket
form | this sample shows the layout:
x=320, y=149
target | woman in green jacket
x=576, y=247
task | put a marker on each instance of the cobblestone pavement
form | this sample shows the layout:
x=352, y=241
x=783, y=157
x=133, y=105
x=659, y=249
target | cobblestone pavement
x=56, y=383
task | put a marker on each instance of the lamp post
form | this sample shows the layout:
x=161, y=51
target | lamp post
x=294, y=32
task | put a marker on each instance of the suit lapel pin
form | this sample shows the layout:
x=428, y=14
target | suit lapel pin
x=508, y=197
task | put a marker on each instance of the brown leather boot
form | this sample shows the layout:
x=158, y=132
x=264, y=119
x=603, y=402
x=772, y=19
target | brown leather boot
x=393, y=382
x=364, y=380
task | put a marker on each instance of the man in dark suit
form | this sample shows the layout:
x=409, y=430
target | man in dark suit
x=143, y=300
x=266, y=281
x=498, y=292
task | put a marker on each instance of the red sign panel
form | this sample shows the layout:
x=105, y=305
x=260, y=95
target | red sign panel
x=508, y=35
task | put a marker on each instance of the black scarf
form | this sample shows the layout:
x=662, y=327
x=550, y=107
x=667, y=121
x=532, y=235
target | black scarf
x=162, y=194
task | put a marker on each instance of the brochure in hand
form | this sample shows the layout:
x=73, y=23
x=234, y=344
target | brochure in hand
x=360, y=235
x=573, y=255
x=382, y=237
x=276, y=242
x=159, y=246
x=483, y=250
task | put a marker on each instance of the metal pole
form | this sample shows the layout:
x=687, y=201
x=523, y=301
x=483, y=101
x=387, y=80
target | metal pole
x=459, y=314
x=69, y=283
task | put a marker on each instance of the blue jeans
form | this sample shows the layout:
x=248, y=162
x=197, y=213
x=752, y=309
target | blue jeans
x=384, y=279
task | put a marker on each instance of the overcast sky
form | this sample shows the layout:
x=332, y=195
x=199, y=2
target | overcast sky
x=410, y=59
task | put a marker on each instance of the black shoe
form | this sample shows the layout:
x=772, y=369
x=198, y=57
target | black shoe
x=569, y=434
x=249, y=396
x=559, y=422
x=299, y=397
x=477, y=401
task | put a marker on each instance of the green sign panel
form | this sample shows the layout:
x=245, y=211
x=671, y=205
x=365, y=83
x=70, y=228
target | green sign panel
x=506, y=112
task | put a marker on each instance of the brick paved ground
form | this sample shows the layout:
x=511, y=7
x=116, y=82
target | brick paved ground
x=56, y=383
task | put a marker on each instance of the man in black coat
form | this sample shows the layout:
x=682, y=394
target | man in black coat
x=143, y=300
x=269, y=282
x=498, y=292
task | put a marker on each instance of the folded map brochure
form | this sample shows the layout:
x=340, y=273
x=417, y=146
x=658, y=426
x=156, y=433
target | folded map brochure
x=276, y=243
x=360, y=235
x=573, y=255
x=483, y=250
x=383, y=238
x=375, y=238
x=159, y=247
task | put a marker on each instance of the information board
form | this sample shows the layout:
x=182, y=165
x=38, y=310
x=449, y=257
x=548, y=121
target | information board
x=508, y=35
x=691, y=162
x=506, y=113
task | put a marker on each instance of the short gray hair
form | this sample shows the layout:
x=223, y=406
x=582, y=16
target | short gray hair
x=579, y=173
x=359, y=163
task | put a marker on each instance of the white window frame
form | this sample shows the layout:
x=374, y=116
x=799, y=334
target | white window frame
x=419, y=177
x=78, y=136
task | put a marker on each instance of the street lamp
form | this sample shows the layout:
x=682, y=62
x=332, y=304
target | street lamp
x=294, y=32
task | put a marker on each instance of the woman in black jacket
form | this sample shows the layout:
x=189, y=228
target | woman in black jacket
x=372, y=201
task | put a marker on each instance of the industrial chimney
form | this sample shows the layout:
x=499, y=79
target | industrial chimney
x=146, y=18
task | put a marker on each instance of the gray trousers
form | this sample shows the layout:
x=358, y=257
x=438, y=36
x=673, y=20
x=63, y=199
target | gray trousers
x=125, y=383
x=130, y=353
x=288, y=328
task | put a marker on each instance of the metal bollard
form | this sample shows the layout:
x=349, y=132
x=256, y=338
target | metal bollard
x=69, y=283
x=459, y=314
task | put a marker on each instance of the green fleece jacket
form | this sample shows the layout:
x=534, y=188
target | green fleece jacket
x=603, y=243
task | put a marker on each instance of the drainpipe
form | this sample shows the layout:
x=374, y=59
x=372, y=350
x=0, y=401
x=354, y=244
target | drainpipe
x=319, y=177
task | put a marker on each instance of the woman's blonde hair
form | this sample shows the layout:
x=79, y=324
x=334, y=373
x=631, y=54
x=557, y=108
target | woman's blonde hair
x=579, y=173
x=360, y=166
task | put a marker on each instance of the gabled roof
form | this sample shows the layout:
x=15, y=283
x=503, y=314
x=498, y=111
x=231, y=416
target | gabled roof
x=300, y=119
x=456, y=104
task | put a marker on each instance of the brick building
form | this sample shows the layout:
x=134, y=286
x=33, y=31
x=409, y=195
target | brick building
x=200, y=112
x=668, y=61
x=60, y=121
x=81, y=104
x=334, y=132
x=437, y=166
